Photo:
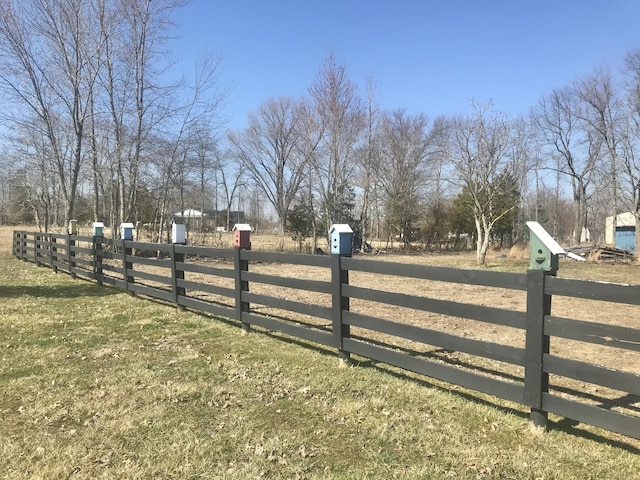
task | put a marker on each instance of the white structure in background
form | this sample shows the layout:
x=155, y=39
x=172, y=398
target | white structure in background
x=190, y=216
x=626, y=219
x=585, y=236
x=209, y=219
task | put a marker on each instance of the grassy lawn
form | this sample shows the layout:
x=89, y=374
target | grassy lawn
x=95, y=383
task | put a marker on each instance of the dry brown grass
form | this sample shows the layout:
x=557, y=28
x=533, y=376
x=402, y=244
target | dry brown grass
x=519, y=252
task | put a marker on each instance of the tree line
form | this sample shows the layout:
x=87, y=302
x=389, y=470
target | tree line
x=94, y=130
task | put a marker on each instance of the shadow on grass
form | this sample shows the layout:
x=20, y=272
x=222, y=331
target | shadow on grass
x=66, y=291
x=565, y=425
x=571, y=427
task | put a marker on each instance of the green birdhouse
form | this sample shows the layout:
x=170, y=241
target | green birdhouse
x=544, y=251
x=98, y=229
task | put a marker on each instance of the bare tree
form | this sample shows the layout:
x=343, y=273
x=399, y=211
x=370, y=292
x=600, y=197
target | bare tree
x=631, y=139
x=602, y=114
x=558, y=118
x=403, y=169
x=133, y=33
x=341, y=121
x=201, y=109
x=310, y=126
x=91, y=72
x=232, y=182
x=48, y=50
x=272, y=149
x=205, y=150
x=74, y=51
x=484, y=160
x=369, y=158
x=35, y=182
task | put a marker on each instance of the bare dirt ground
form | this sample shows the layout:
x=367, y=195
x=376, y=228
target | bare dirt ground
x=592, y=311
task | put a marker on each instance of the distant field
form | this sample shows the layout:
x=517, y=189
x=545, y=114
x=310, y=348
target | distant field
x=95, y=383
x=514, y=260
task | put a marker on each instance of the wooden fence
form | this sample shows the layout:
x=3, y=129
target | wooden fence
x=327, y=309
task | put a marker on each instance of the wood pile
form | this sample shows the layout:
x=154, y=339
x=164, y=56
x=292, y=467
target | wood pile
x=601, y=253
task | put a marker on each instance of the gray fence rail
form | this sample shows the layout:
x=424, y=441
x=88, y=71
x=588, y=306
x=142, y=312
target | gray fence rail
x=188, y=277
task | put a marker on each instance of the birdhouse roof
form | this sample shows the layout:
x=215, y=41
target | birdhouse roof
x=243, y=227
x=539, y=231
x=340, y=228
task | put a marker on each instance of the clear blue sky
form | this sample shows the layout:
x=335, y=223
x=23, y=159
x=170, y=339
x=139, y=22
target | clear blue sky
x=426, y=56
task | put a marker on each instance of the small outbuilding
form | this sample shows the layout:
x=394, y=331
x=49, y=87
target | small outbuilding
x=623, y=236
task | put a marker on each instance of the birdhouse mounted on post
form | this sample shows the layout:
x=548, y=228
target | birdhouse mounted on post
x=73, y=227
x=126, y=231
x=544, y=251
x=98, y=229
x=178, y=233
x=341, y=239
x=242, y=236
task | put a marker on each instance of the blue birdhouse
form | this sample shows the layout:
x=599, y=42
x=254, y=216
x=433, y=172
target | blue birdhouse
x=341, y=237
x=126, y=231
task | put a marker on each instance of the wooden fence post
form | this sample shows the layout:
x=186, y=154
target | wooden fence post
x=126, y=266
x=36, y=239
x=177, y=274
x=536, y=381
x=240, y=266
x=23, y=249
x=97, y=259
x=41, y=250
x=339, y=304
x=50, y=241
x=71, y=243
x=54, y=255
x=20, y=246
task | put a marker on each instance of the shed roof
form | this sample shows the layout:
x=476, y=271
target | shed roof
x=622, y=219
x=190, y=212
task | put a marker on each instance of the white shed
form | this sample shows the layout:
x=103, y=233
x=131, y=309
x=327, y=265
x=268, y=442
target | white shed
x=626, y=219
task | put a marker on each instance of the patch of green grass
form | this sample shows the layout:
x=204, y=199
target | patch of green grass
x=95, y=383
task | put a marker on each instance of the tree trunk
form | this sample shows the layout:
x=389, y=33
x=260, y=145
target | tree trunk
x=580, y=208
x=483, y=230
x=480, y=258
